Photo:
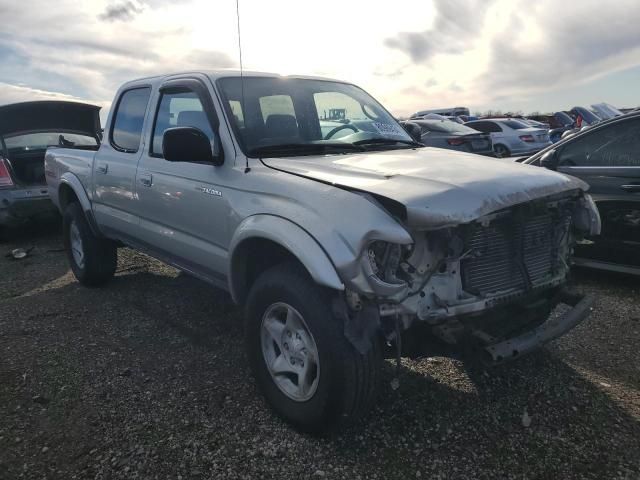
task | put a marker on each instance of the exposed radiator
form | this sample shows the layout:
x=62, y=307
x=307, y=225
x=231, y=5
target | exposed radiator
x=512, y=253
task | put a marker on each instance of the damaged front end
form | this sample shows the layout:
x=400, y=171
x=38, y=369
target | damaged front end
x=492, y=282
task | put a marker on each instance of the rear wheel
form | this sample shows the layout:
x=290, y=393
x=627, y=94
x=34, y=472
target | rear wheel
x=501, y=151
x=93, y=260
x=308, y=371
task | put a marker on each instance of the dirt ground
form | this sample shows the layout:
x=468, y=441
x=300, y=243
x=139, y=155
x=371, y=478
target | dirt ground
x=146, y=378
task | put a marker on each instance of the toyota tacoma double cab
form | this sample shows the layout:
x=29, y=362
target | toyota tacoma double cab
x=343, y=238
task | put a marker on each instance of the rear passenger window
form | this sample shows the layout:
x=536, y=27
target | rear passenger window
x=493, y=127
x=129, y=117
x=616, y=145
x=179, y=109
x=483, y=127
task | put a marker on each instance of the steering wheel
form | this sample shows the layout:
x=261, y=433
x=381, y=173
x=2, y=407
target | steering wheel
x=337, y=129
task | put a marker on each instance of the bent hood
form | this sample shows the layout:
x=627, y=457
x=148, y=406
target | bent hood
x=48, y=116
x=437, y=187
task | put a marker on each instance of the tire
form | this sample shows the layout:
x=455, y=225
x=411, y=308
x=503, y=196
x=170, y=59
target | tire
x=95, y=259
x=346, y=382
x=501, y=151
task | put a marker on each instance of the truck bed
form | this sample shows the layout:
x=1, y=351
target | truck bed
x=68, y=162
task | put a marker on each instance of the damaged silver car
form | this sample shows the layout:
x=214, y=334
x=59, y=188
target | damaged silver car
x=344, y=239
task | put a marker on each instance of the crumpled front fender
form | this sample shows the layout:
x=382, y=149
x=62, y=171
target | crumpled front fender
x=291, y=237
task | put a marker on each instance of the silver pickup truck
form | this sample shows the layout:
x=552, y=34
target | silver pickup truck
x=343, y=238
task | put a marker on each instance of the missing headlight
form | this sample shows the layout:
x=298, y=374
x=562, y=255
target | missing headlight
x=384, y=259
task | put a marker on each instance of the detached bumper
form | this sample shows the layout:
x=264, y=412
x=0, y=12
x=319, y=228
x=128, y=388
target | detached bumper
x=551, y=329
x=19, y=204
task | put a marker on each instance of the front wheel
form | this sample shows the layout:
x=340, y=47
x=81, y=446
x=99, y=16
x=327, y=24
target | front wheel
x=93, y=260
x=308, y=371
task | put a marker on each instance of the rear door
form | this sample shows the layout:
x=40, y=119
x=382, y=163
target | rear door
x=183, y=206
x=608, y=159
x=115, y=164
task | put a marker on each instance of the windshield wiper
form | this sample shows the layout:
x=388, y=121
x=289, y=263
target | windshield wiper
x=387, y=141
x=304, y=149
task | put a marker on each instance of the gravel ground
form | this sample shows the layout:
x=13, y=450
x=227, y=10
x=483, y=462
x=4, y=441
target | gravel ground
x=146, y=378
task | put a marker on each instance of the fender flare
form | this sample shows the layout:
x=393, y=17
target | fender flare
x=290, y=236
x=73, y=182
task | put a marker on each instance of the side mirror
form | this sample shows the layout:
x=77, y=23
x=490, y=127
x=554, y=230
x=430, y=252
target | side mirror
x=190, y=144
x=414, y=130
x=549, y=160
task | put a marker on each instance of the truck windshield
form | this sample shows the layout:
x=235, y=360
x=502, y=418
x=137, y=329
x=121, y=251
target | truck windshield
x=307, y=117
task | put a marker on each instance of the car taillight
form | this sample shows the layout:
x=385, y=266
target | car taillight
x=455, y=141
x=5, y=177
x=527, y=138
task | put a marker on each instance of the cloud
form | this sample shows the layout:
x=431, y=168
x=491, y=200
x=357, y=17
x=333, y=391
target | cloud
x=208, y=59
x=483, y=54
x=90, y=58
x=456, y=24
x=122, y=11
x=454, y=87
x=20, y=93
x=573, y=45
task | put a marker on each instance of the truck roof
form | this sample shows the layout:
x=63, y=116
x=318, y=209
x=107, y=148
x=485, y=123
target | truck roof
x=221, y=73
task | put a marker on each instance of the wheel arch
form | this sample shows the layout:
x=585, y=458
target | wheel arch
x=262, y=241
x=500, y=143
x=71, y=190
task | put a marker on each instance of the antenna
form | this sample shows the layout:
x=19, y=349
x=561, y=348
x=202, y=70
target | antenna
x=247, y=169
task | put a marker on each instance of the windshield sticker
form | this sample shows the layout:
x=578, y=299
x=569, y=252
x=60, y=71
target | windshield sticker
x=388, y=129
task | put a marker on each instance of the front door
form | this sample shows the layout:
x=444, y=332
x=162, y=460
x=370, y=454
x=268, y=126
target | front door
x=608, y=159
x=183, y=205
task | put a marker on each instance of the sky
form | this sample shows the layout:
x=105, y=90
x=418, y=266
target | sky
x=501, y=55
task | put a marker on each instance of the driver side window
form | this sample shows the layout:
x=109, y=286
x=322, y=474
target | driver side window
x=179, y=109
x=616, y=145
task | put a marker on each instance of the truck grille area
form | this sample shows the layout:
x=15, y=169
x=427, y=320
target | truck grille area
x=514, y=252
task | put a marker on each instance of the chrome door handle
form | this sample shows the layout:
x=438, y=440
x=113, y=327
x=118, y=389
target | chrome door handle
x=146, y=179
x=630, y=188
x=103, y=168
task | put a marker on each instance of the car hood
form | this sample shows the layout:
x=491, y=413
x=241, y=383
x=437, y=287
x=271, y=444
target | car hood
x=47, y=116
x=436, y=187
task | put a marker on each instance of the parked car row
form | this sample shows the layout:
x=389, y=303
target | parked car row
x=501, y=137
x=558, y=125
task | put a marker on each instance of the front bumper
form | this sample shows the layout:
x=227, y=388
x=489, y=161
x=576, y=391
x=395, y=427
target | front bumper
x=553, y=328
x=20, y=204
